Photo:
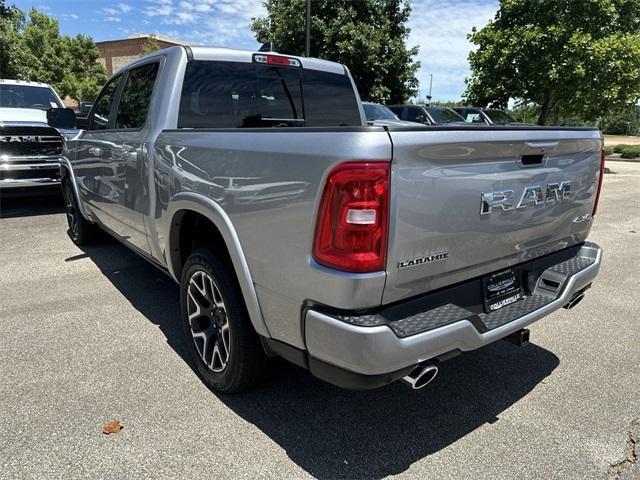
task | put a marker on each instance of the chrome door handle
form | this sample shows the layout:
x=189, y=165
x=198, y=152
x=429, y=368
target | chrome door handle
x=132, y=155
x=95, y=151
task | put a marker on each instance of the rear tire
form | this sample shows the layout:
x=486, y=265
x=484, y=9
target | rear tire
x=223, y=345
x=80, y=230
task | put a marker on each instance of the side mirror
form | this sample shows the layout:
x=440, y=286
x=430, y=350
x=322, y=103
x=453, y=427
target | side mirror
x=64, y=118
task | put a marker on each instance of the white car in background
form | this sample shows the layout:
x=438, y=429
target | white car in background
x=29, y=148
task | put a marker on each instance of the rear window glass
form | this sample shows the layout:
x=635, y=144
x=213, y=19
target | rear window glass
x=242, y=95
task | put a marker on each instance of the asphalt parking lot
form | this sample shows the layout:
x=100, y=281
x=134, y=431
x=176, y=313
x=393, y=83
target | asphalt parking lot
x=88, y=336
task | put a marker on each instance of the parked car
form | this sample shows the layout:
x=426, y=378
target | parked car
x=378, y=114
x=84, y=109
x=29, y=148
x=408, y=247
x=489, y=116
x=426, y=114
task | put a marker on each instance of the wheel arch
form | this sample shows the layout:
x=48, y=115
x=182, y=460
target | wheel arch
x=183, y=206
x=66, y=174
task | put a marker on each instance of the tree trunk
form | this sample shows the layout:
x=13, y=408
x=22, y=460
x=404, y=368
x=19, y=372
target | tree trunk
x=545, y=108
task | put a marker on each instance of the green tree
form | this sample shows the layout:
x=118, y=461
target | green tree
x=11, y=21
x=150, y=45
x=571, y=58
x=34, y=50
x=368, y=36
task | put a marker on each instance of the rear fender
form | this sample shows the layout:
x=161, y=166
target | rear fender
x=211, y=210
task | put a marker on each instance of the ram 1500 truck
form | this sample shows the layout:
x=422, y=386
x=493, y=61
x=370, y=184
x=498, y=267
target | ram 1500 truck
x=372, y=253
x=29, y=148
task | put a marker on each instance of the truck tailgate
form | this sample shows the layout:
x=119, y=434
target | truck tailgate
x=438, y=233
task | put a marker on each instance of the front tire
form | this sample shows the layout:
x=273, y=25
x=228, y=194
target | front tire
x=80, y=230
x=223, y=345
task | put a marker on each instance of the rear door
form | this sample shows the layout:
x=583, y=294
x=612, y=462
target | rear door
x=442, y=232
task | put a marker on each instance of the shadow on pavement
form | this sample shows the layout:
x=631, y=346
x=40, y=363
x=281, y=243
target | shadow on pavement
x=30, y=202
x=334, y=433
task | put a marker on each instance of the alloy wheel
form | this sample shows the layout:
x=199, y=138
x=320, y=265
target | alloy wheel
x=208, y=321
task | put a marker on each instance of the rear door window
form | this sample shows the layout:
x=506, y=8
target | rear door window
x=243, y=95
x=102, y=107
x=136, y=97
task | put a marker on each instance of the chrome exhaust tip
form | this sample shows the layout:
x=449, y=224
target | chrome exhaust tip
x=421, y=376
x=574, y=301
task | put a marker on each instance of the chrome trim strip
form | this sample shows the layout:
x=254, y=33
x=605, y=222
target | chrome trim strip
x=29, y=166
x=31, y=182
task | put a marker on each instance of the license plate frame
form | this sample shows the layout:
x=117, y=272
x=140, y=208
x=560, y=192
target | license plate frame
x=501, y=289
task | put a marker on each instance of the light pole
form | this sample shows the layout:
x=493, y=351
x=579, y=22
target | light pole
x=430, y=85
x=307, y=24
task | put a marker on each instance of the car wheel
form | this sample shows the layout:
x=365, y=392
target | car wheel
x=223, y=345
x=80, y=230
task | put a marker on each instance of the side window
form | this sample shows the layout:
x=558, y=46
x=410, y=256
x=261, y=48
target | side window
x=136, y=96
x=397, y=111
x=102, y=107
x=415, y=115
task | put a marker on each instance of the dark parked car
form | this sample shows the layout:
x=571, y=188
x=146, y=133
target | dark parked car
x=426, y=114
x=489, y=116
x=378, y=114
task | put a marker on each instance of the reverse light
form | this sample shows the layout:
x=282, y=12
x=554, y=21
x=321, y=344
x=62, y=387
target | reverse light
x=353, y=218
x=603, y=153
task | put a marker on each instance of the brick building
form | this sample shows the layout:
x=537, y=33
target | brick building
x=115, y=54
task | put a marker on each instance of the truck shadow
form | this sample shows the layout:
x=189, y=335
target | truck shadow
x=334, y=433
x=30, y=202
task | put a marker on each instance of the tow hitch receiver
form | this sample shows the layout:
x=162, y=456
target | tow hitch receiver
x=518, y=338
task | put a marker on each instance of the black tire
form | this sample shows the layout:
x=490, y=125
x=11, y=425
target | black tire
x=80, y=230
x=245, y=356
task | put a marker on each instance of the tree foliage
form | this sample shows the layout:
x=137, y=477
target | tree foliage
x=150, y=45
x=33, y=49
x=572, y=57
x=368, y=36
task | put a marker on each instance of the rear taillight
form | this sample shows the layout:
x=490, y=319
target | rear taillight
x=353, y=218
x=600, y=177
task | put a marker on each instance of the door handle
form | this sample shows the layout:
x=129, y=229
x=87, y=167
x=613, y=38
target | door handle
x=131, y=156
x=95, y=151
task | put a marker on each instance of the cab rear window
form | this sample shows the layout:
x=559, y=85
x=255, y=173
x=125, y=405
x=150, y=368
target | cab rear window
x=250, y=95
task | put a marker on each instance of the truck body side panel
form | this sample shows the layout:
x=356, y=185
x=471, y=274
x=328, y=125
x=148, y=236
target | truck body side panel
x=269, y=183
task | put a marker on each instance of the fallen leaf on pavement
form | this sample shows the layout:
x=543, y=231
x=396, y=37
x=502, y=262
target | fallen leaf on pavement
x=111, y=427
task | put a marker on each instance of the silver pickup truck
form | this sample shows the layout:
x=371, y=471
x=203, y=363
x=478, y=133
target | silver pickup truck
x=372, y=253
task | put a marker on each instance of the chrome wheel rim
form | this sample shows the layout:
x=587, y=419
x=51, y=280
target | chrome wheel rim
x=72, y=211
x=208, y=322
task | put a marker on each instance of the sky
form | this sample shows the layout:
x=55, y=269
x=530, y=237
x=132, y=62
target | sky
x=438, y=27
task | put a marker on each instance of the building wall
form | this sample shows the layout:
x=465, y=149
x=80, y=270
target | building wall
x=115, y=54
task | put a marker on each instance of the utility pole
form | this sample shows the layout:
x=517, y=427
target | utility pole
x=307, y=24
x=430, y=85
